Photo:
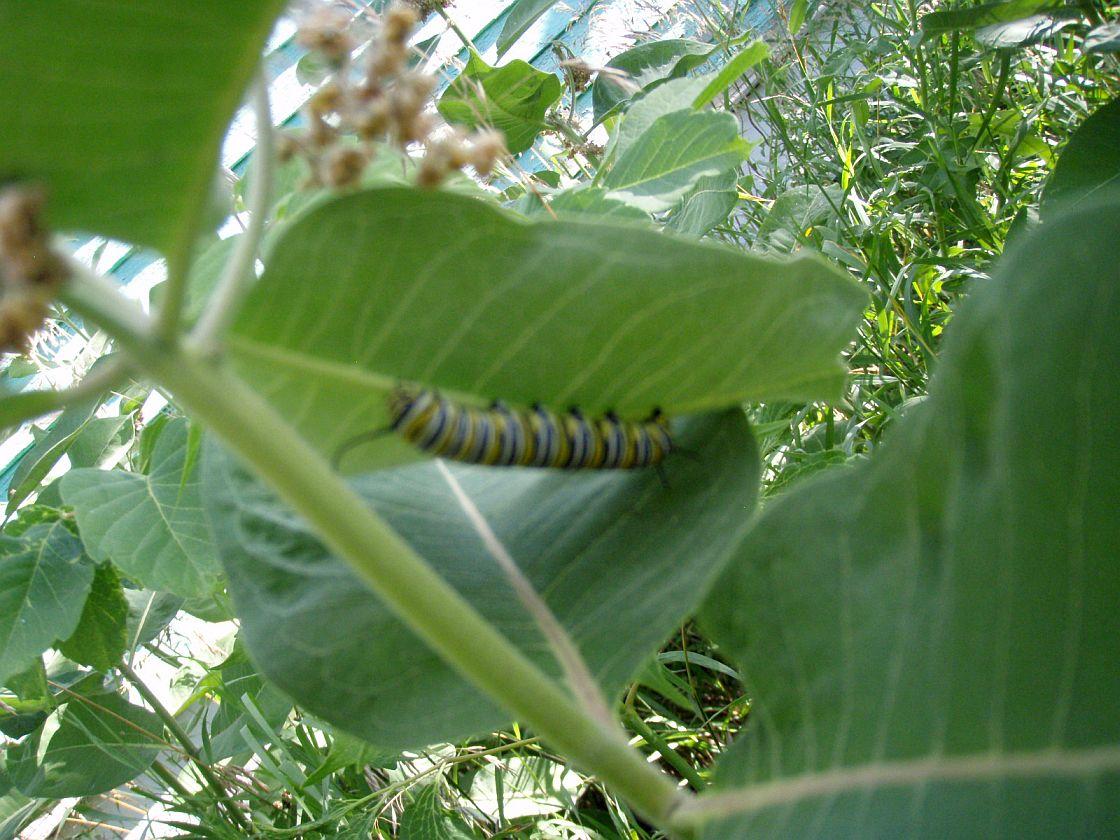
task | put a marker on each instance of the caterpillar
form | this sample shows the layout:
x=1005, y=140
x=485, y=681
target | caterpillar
x=538, y=437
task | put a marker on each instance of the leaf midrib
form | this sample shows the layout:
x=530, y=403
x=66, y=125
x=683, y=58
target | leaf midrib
x=985, y=767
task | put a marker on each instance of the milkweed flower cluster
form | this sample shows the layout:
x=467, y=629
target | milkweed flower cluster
x=386, y=101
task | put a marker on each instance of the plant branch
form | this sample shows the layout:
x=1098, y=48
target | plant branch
x=168, y=777
x=454, y=27
x=188, y=745
x=175, y=289
x=17, y=408
x=239, y=273
x=450, y=625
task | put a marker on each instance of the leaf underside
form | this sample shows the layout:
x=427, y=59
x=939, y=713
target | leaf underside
x=930, y=638
x=619, y=558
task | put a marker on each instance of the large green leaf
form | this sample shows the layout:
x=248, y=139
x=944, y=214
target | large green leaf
x=1090, y=163
x=706, y=205
x=150, y=526
x=665, y=163
x=619, y=558
x=102, y=741
x=37, y=463
x=425, y=818
x=148, y=614
x=119, y=108
x=642, y=67
x=727, y=75
x=649, y=107
x=522, y=14
x=100, y=638
x=1022, y=33
x=1104, y=38
x=391, y=285
x=987, y=14
x=44, y=580
x=930, y=638
x=513, y=98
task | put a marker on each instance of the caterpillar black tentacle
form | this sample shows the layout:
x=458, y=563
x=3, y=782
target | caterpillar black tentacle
x=502, y=436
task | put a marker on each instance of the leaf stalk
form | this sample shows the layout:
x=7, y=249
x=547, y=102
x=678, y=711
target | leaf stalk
x=431, y=607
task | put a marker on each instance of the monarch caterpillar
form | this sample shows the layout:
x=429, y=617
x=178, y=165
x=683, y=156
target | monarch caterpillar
x=538, y=437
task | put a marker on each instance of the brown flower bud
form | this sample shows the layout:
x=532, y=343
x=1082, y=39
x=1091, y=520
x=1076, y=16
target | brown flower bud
x=433, y=169
x=20, y=209
x=343, y=166
x=487, y=148
x=324, y=32
x=20, y=315
x=373, y=120
x=385, y=59
x=327, y=100
x=398, y=22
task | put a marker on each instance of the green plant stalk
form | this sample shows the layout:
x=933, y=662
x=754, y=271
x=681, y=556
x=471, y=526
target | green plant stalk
x=168, y=777
x=459, y=33
x=239, y=275
x=663, y=748
x=234, y=813
x=261, y=438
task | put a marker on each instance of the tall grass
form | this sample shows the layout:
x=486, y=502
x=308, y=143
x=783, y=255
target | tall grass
x=911, y=162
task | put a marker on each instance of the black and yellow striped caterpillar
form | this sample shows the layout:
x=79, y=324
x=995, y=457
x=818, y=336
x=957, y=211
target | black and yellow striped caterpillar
x=539, y=437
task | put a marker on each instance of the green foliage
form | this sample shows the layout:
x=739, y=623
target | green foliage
x=991, y=15
x=44, y=580
x=911, y=165
x=942, y=617
x=101, y=741
x=1090, y=163
x=145, y=97
x=47, y=450
x=426, y=819
x=524, y=313
x=148, y=613
x=739, y=64
x=642, y=68
x=706, y=205
x=151, y=526
x=668, y=159
x=521, y=15
x=1104, y=38
x=101, y=636
x=512, y=98
x=587, y=544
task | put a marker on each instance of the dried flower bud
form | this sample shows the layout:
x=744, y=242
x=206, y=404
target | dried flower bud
x=324, y=32
x=327, y=100
x=433, y=169
x=20, y=315
x=397, y=23
x=414, y=129
x=288, y=145
x=385, y=60
x=342, y=166
x=487, y=148
x=373, y=120
x=426, y=7
x=420, y=85
x=580, y=72
x=20, y=209
x=320, y=133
